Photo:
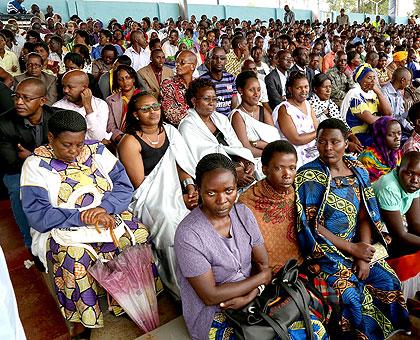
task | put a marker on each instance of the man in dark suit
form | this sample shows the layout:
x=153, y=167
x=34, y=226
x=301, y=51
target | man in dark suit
x=276, y=79
x=301, y=58
x=22, y=129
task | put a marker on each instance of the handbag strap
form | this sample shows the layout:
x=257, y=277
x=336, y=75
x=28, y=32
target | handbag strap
x=280, y=330
x=298, y=298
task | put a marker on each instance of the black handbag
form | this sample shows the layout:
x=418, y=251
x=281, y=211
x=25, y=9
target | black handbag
x=284, y=301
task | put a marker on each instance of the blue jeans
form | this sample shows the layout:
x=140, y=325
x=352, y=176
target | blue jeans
x=12, y=183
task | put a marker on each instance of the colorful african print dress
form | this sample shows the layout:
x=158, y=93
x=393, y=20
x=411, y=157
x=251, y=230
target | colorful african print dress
x=375, y=164
x=373, y=308
x=47, y=184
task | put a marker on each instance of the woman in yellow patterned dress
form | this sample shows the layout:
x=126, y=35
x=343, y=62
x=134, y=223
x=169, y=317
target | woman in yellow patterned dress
x=68, y=184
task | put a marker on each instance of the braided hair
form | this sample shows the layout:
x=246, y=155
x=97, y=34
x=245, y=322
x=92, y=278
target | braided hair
x=66, y=121
x=212, y=162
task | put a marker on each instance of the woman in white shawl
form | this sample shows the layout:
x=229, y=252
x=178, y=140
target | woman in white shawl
x=252, y=123
x=205, y=131
x=161, y=169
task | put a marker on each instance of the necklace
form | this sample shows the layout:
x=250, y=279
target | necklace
x=156, y=142
x=249, y=113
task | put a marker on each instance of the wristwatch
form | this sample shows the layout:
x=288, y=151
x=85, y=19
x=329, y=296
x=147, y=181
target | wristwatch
x=254, y=144
x=187, y=182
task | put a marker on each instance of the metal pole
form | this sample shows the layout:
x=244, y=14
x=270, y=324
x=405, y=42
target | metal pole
x=183, y=6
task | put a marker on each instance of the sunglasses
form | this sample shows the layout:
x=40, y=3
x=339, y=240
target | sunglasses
x=147, y=108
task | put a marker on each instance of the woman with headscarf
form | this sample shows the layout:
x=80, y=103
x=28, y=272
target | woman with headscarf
x=385, y=153
x=363, y=104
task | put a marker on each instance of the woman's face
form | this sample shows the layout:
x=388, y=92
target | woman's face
x=251, y=91
x=324, y=91
x=300, y=90
x=218, y=192
x=331, y=145
x=368, y=82
x=108, y=57
x=125, y=81
x=118, y=35
x=67, y=145
x=205, y=101
x=148, y=111
x=281, y=171
x=382, y=63
x=393, y=135
x=79, y=40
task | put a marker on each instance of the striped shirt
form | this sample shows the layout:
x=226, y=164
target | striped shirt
x=225, y=90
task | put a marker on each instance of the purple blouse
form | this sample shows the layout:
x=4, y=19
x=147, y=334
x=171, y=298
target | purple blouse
x=199, y=248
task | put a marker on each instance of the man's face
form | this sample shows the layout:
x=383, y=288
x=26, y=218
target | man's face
x=173, y=38
x=284, y=44
x=158, y=59
x=409, y=176
x=34, y=67
x=218, y=60
x=336, y=45
x=302, y=58
x=226, y=44
x=72, y=88
x=27, y=102
x=257, y=55
x=314, y=62
x=341, y=62
x=259, y=42
x=285, y=61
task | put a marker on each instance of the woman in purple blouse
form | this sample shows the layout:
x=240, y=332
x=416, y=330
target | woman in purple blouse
x=216, y=252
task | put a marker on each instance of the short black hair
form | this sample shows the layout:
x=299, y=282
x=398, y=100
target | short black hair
x=84, y=51
x=153, y=42
x=293, y=77
x=33, y=55
x=409, y=156
x=319, y=79
x=57, y=39
x=280, y=146
x=109, y=47
x=66, y=120
x=237, y=40
x=414, y=112
x=106, y=32
x=75, y=58
x=243, y=77
x=195, y=86
x=124, y=60
x=212, y=162
x=84, y=35
x=42, y=44
x=333, y=124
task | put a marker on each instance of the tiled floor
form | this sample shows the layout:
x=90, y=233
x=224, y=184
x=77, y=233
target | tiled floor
x=38, y=310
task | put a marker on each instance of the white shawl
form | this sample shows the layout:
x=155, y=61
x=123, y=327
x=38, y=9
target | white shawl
x=159, y=204
x=202, y=142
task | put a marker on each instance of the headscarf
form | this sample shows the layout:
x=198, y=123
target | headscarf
x=188, y=42
x=361, y=71
x=400, y=56
x=380, y=128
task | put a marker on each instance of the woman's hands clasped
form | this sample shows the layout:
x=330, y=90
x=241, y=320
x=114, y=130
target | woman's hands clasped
x=97, y=215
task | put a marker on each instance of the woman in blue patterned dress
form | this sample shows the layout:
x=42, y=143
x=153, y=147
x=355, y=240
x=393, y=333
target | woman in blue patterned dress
x=338, y=221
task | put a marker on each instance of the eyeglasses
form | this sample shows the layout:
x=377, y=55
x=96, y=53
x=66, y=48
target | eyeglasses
x=33, y=65
x=182, y=63
x=147, y=108
x=26, y=99
x=208, y=99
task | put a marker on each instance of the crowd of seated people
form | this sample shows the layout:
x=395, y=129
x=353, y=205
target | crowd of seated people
x=231, y=146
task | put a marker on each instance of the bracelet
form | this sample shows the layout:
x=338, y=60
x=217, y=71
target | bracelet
x=254, y=144
x=187, y=182
x=260, y=289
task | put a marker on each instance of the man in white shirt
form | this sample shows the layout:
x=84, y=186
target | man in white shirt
x=170, y=47
x=78, y=97
x=139, y=52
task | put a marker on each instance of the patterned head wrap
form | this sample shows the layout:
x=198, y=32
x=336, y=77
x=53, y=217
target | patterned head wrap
x=188, y=42
x=400, y=56
x=380, y=128
x=361, y=71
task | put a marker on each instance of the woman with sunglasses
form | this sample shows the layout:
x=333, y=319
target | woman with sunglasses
x=161, y=169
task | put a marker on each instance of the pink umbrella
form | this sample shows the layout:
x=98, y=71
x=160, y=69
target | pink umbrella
x=129, y=279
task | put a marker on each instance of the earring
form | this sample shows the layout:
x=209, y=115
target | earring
x=137, y=118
